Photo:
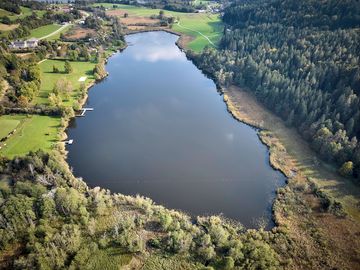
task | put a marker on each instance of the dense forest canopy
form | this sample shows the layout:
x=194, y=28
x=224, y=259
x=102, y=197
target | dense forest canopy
x=301, y=59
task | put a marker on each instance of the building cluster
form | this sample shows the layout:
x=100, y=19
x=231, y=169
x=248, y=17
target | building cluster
x=24, y=44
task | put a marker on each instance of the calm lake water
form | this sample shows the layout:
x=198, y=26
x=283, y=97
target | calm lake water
x=160, y=129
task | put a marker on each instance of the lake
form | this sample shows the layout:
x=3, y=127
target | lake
x=160, y=129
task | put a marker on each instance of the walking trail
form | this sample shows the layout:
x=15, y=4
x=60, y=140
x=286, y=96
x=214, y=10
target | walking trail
x=55, y=32
x=207, y=38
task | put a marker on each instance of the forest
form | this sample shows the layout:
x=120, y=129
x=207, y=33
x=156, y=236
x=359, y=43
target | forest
x=301, y=60
x=298, y=58
x=67, y=225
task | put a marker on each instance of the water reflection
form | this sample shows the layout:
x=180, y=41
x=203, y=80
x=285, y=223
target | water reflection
x=156, y=50
x=160, y=129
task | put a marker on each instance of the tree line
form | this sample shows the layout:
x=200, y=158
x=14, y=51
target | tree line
x=302, y=61
x=57, y=222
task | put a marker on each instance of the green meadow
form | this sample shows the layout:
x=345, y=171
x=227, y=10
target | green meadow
x=33, y=132
x=24, y=13
x=4, y=12
x=208, y=25
x=44, y=30
x=48, y=79
x=7, y=125
x=56, y=36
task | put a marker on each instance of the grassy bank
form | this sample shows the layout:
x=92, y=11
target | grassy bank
x=199, y=26
x=33, y=132
x=49, y=78
x=298, y=208
x=44, y=30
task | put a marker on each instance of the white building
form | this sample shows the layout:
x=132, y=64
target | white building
x=24, y=44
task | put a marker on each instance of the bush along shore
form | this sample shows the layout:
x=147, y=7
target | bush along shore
x=319, y=218
x=53, y=207
x=51, y=220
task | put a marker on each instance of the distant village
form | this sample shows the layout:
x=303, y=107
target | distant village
x=33, y=43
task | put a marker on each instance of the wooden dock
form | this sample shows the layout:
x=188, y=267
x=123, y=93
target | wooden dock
x=69, y=142
x=84, y=110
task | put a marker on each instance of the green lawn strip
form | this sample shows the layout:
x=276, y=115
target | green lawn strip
x=7, y=125
x=34, y=132
x=209, y=25
x=48, y=79
x=44, y=30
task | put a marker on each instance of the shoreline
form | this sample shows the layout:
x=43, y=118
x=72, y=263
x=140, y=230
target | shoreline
x=288, y=169
x=219, y=90
x=62, y=149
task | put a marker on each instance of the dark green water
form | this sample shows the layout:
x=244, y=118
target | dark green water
x=160, y=129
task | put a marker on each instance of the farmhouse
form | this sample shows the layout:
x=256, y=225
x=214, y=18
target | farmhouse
x=24, y=44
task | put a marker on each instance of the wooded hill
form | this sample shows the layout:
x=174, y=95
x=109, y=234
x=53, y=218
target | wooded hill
x=300, y=59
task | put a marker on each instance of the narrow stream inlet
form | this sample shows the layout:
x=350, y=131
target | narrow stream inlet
x=160, y=129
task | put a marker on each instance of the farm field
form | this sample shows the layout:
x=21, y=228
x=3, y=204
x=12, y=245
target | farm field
x=44, y=30
x=198, y=25
x=32, y=133
x=48, y=78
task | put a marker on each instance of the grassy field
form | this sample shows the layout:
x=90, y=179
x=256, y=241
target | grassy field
x=48, y=78
x=24, y=13
x=7, y=125
x=44, y=30
x=56, y=36
x=4, y=12
x=32, y=133
x=208, y=25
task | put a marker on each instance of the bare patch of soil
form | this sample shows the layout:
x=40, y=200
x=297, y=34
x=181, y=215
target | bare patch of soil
x=184, y=40
x=80, y=33
x=5, y=27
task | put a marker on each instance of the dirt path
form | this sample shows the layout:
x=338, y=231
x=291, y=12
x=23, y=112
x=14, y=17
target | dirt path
x=207, y=38
x=41, y=61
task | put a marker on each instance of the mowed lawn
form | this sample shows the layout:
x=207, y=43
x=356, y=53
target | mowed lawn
x=7, y=125
x=209, y=25
x=48, y=79
x=44, y=30
x=32, y=133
